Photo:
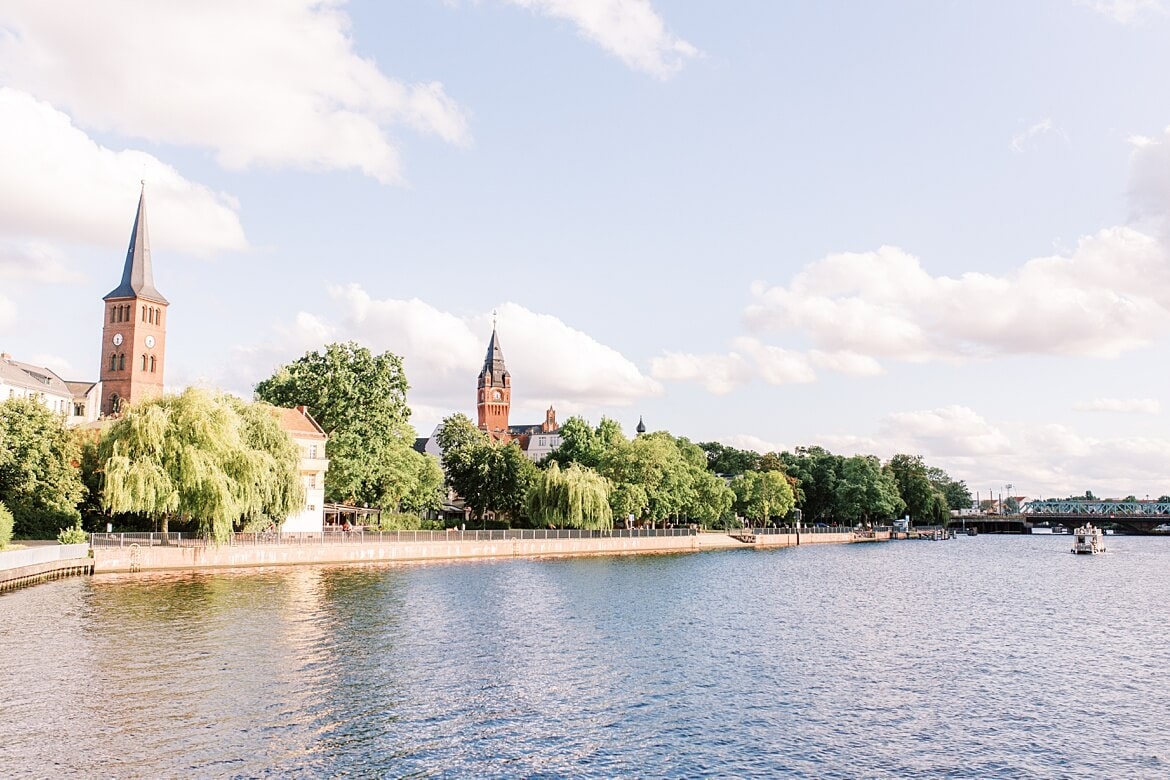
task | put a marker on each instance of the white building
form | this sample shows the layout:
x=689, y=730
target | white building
x=77, y=402
x=310, y=439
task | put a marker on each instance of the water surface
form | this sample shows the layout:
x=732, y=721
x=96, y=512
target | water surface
x=977, y=657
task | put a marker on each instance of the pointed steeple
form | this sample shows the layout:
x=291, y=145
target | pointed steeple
x=641, y=425
x=493, y=362
x=137, y=276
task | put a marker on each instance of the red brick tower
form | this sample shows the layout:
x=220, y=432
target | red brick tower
x=134, y=336
x=495, y=391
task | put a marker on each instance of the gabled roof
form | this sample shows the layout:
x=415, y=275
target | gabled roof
x=138, y=275
x=30, y=377
x=298, y=422
x=493, y=362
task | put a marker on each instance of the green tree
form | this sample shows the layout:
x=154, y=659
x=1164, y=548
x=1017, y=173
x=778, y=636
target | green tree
x=921, y=498
x=816, y=471
x=200, y=457
x=654, y=463
x=5, y=526
x=39, y=480
x=490, y=476
x=763, y=495
x=729, y=461
x=573, y=498
x=359, y=399
x=866, y=492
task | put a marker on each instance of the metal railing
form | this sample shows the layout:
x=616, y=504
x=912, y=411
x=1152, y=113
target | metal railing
x=361, y=536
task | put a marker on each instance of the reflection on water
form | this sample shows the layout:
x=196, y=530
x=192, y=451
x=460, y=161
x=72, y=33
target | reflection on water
x=978, y=657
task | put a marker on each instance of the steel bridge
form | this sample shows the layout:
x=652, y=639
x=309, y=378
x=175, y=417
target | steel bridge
x=1135, y=516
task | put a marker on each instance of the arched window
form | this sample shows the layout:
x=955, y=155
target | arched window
x=144, y=314
x=152, y=364
x=115, y=404
x=122, y=362
x=113, y=362
x=113, y=311
x=144, y=362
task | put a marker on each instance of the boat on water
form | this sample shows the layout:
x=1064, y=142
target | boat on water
x=1088, y=540
x=1059, y=529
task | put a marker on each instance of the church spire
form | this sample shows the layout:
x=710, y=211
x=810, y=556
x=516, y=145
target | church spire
x=137, y=275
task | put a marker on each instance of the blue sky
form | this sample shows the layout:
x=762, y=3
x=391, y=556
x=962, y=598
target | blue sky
x=930, y=227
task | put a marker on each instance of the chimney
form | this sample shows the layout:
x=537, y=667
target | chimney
x=304, y=410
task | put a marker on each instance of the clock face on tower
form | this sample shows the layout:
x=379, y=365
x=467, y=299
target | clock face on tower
x=117, y=339
x=497, y=395
x=150, y=342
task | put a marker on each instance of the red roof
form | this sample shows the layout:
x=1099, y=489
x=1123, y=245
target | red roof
x=300, y=423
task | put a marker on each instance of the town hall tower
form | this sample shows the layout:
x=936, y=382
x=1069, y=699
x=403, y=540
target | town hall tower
x=495, y=391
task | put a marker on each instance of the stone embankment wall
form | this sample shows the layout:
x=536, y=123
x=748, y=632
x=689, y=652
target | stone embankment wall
x=43, y=562
x=158, y=557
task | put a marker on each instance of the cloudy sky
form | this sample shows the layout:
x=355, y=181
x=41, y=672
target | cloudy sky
x=938, y=228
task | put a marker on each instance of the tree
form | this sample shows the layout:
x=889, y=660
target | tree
x=654, y=463
x=199, y=457
x=866, y=491
x=39, y=480
x=359, y=399
x=729, y=461
x=573, y=498
x=490, y=476
x=763, y=495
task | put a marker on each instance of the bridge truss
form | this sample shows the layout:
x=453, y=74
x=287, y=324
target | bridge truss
x=1103, y=509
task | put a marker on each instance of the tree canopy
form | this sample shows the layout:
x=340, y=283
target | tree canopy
x=359, y=399
x=210, y=459
x=39, y=482
x=576, y=497
x=490, y=476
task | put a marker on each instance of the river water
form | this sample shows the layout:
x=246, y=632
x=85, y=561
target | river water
x=977, y=657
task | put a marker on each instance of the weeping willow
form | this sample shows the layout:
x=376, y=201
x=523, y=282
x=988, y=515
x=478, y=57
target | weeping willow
x=196, y=456
x=573, y=498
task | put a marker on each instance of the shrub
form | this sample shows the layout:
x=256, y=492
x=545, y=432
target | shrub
x=5, y=526
x=72, y=535
x=40, y=523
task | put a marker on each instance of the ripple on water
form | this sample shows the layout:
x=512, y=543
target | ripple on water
x=983, y=657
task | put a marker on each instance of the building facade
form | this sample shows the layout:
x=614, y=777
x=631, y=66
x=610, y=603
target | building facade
x=310, y=439
x=134, y=330
x=76, y=402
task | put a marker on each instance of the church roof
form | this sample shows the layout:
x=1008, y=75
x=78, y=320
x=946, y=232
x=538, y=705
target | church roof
x=493, y=362
x=138, y=276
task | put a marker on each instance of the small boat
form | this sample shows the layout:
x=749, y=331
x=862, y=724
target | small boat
x=1088, y=540
x=972, y=531
x=1059, y=529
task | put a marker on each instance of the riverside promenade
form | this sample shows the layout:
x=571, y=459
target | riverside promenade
x=155, y=552
x=40, y=561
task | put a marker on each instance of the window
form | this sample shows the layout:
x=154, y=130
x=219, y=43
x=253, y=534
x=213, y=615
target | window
x=112, y=312
x=152, y=364
x=78, y=410
x=312, y=452
x=144, y=362
x=122, y=362
x=312, y=508
x=144, y=314
x=312, y=480
x=113, y=362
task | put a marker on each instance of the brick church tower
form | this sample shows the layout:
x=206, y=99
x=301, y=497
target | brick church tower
x=495, y=391
x=134, y=336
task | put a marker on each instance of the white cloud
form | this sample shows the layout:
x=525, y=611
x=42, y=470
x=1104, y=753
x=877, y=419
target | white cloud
x=1123, y=405
x=955, y=430
x=58, y=184
x=1109, y=296
x=628, y=29
x=1126, y=11
x=1149, y=178
x=34, y=261
x=1020, y=141
x=720, y=374
x=273, y=84
x=847, y=363
x=551, y=362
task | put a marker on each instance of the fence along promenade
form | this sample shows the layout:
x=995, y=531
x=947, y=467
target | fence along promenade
x=361, y=536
